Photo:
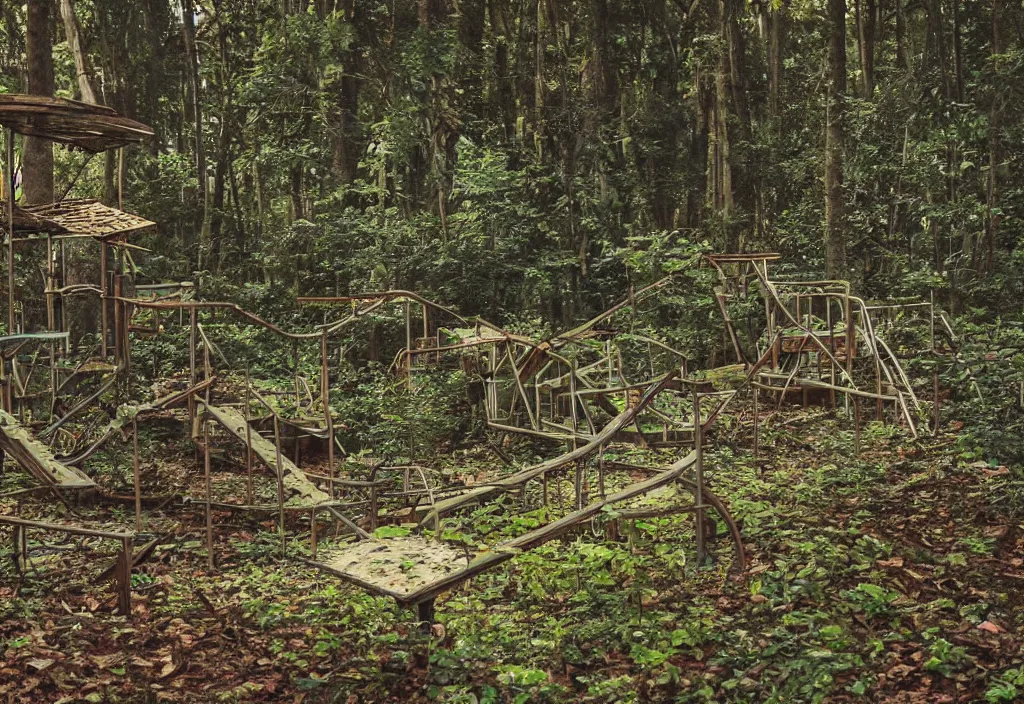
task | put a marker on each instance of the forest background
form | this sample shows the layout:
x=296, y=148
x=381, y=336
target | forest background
x=532, y=160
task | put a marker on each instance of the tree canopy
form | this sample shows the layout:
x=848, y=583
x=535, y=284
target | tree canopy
x=532, y=156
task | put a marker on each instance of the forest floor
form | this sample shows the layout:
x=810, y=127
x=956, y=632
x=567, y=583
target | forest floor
x=895, y=576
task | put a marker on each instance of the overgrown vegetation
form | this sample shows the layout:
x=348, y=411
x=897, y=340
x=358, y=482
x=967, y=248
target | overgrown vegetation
x=533, y=163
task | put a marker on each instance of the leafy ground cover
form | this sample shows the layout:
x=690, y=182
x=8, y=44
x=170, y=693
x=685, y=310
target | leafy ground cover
x=893, y=576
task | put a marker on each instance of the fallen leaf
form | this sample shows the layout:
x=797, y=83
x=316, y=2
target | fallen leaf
x=894, y=562
x=167, y=670
x=40, y=664
x=991, y=627
x=997, y=472
x=105, y=661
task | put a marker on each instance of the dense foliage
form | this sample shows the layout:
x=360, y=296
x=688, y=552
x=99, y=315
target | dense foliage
x=511, y=156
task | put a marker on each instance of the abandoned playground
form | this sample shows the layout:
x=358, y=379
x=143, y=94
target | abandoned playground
x=628, y=426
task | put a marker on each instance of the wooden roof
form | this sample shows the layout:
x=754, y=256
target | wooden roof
x=25, y=221
x=93, y=128
x=83, y=217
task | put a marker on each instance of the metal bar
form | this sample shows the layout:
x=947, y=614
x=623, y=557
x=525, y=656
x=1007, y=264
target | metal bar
x=698, y=470
x=61, y=528
x=280, y=483
x=312, y=532
x=120, y=179
x=209, y=491
x=104, y=324
x=10, y=232
x=408, y=344
x=137, y=477
x=757, y=444
x=931, y=318
x=325, y=393
x=124, y=578
x=248, y=437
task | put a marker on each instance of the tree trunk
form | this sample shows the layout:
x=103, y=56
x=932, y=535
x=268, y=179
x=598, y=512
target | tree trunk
x=223, y=143
x=73, y=33
x=295, y=181
x=903, y=60
x=609, y=80
x=345, y=160
x=776, y=20
x=38, y=153
x=504, y=91
x=538, y=80
x=720, y=180
x=835, y=233
x=936, y=53
x=733, y=37
x=469, y=73
x=188, y=34
x=866, y=45
x=994, y=141
x=958, y=50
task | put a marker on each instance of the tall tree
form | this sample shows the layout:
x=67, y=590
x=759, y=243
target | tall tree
x=38, y=154
x=835, y=221
x=188, y=34
x=776, y=39
x=866, y=45
x=720, y=182
x=994, y=140
x=345, y=159
x=73, y=33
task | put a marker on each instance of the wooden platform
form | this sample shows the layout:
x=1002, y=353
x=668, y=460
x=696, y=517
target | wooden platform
x=35, y=457
x=299, y=489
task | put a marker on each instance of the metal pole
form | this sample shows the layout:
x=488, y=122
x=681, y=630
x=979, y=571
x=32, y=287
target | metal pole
x=138, y=478
x=572, y=403
x=408, y=344
x=295, y=365
x=856, y=425
x=103, y=299
x=120, y=179
x=931, y=326
x=698, y=447
x=124, y=579
x=192, y=332
x=63, y=307
x=118, y=323
x=248, y=438
x=757, y=444
x=209, y=491
x=280, y=484
x=10, y=232
x=51, y=319
x=325, y=393
x=312, y=532
x=374, y=508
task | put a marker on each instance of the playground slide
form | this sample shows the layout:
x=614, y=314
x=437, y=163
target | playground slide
x=17, y=441
x=298, y=489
